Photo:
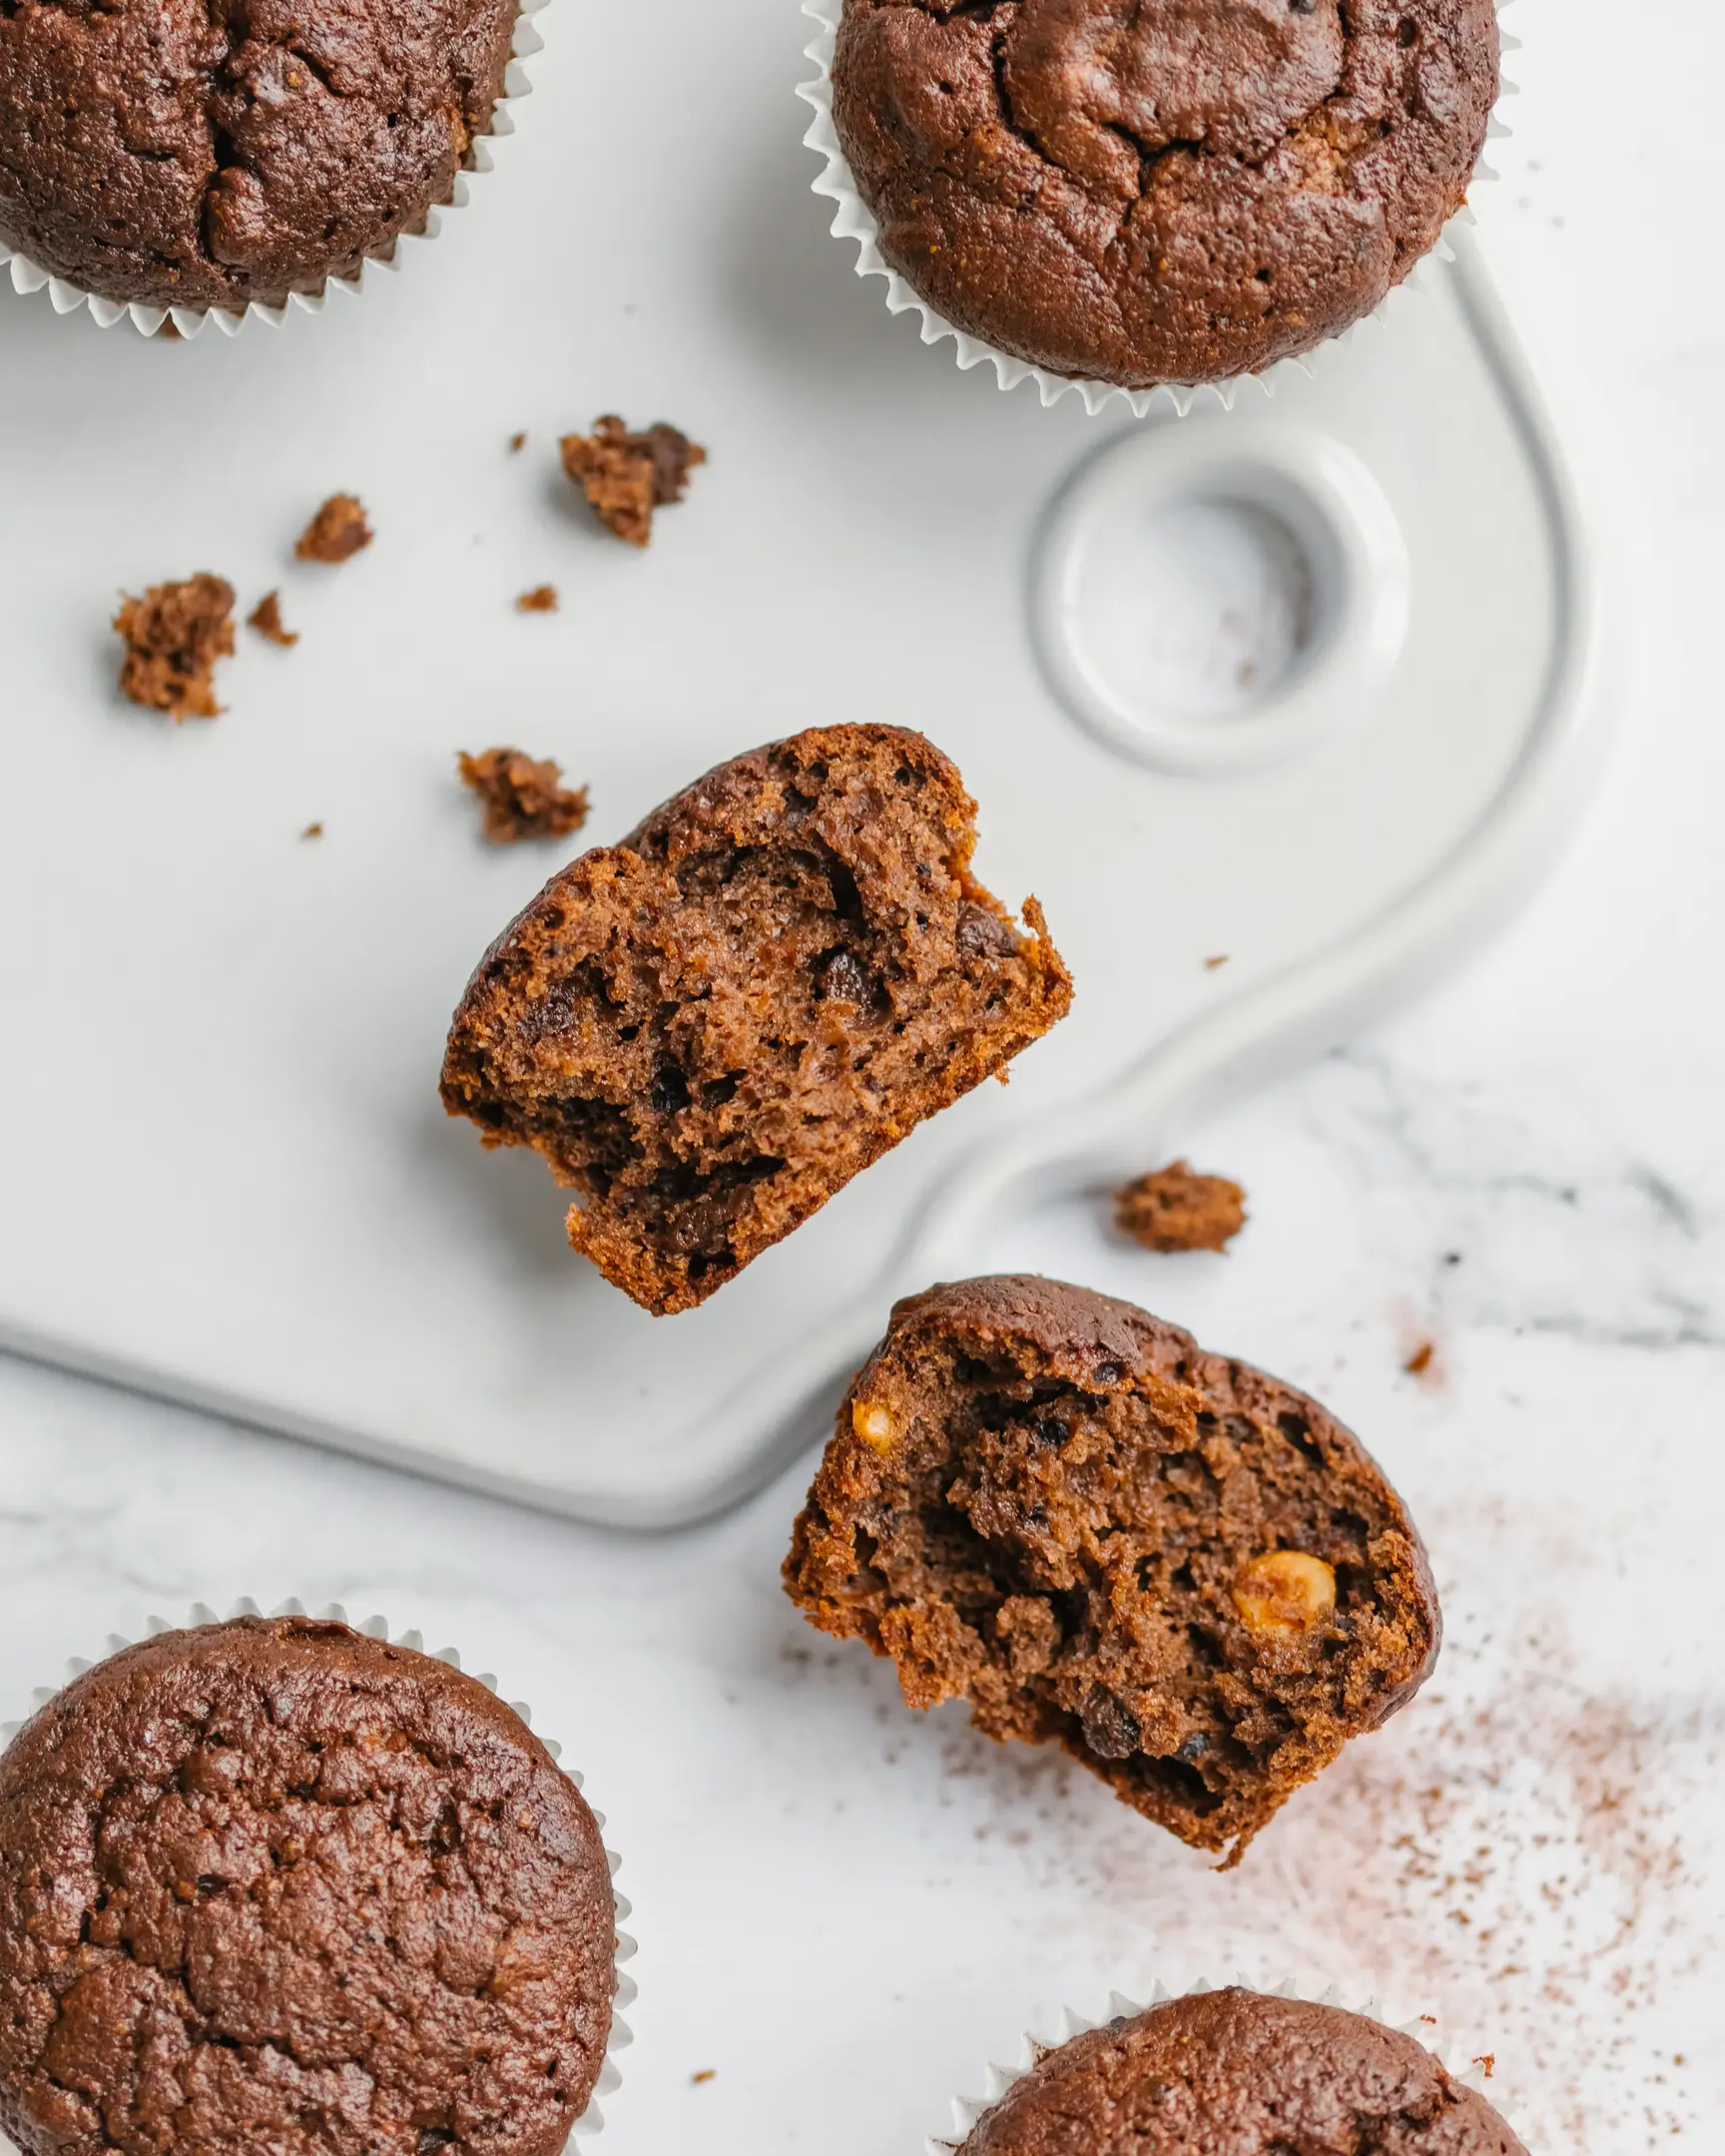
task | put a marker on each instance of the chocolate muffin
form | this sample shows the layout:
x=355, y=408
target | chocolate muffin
x=1171, y=191
x=273, y=1884
x=710, y=1029
x=1241, y=2073
x=212, y=156
x=1061, y=1510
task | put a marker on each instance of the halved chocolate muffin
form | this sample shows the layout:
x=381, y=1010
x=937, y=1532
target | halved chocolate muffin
x=708, y=1029
x=1060, y=1509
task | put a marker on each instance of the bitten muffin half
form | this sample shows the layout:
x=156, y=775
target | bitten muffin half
x=1161, y=190
x=1241, y=2073
x=219, y=153
x=1060, y=1509
x=275, y=1884
x=710, y=1029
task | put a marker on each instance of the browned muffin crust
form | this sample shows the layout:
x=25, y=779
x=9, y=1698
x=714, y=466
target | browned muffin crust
x=1149, y=191
x=1239, y=2073
x=1059, y=1508
x=274, y=1886
x=711, y=1028
x=221, y=154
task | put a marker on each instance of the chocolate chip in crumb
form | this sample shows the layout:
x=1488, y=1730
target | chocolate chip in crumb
x=1110, y=1728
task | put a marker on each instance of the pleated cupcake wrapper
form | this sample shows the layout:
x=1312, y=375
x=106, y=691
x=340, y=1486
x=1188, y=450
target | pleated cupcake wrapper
x=67, y=298
x=378, y=1628
x=998, y=2080
x=854, y=220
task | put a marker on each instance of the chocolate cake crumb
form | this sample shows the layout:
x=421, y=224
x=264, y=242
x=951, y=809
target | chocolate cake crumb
x=710, y=1028
x=1175, y=1209
x=627, y=476
x=522, y=798
x=541, y=600
x=266, y=618
x=336, y=533
x=1061, y=1510
x=174, y=636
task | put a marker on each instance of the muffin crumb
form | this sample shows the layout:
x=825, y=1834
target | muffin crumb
x=265, y=619
x=522, y=798
x=541, y=600
x=707, y=2073
x=174, y=636
x=1211, y=965
x=336, y=533
x=627, y=476
x=313, y=830
x=517, y=442
x=1176, y=1209
x=708, y=1029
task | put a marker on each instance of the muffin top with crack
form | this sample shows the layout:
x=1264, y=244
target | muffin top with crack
x=1241, y=2073
x=216, y=153
x=273, y=1884
x=1161, y=190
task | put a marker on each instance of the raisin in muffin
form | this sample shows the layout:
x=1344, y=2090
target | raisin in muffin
x=1167, y=190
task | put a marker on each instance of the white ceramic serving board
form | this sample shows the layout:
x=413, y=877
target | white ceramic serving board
x=224, y=1170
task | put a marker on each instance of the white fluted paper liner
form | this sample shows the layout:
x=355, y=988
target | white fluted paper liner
x=67, y=298
x=998, y=2080
x=378, y=1628
x=854, y=220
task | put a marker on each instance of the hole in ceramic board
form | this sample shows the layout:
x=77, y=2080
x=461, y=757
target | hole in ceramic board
x=1198, y=609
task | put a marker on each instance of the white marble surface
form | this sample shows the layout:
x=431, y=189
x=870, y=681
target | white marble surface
x=842, y=1909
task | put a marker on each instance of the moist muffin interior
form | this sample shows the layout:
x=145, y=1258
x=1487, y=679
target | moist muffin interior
x=1051, y=1505
x=710, y=1029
